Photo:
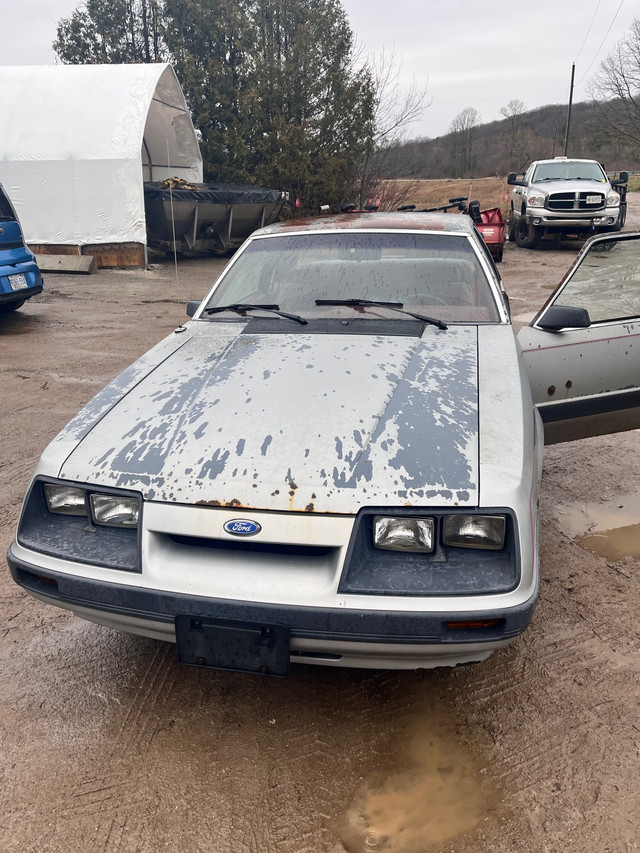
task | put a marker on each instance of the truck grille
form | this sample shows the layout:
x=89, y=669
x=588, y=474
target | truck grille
x=575, y=201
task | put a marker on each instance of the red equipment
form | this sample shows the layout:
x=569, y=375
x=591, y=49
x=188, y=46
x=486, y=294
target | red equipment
x=492, y=228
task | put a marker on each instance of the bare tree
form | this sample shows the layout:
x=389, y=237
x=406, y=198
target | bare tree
x=615, y=90
x=395, y=110
x=513, y=112
x=463, y=130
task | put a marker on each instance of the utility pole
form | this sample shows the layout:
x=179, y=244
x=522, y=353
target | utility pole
x=566, y=133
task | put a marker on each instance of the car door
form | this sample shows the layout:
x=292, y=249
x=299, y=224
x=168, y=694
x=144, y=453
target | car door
x=582, y=351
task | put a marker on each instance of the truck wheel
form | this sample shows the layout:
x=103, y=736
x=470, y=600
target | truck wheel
x=511, y=227
x=528, y=236
x=11, y=306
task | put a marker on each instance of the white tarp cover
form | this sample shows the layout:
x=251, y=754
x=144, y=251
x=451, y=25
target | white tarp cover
x=78, y=141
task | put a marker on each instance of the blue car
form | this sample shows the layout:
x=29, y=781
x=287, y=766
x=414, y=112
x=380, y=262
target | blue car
x=20, y=278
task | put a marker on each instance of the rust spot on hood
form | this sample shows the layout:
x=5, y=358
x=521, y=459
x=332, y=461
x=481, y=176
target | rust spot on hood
x=309, y=508
x=235, y=503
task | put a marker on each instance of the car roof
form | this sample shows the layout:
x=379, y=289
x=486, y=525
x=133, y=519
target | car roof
x=375, y=221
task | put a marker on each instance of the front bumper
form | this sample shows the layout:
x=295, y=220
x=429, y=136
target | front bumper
x=333, y=636
x=564, y=220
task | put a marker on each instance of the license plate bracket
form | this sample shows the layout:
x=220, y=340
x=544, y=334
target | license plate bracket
x=235, y=645
x=593, y=199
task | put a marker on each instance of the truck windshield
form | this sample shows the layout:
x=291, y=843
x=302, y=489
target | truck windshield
x=567, y=170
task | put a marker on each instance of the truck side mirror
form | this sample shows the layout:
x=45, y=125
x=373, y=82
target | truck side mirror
x=624, y=177
x=192, y=307
x=512, y=178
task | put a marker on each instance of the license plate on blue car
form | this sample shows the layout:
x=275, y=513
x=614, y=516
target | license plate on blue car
x=18, y=281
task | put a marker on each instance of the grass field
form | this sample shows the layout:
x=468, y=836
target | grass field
x=490, y=192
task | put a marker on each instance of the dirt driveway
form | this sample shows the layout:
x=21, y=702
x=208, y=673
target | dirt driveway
x=108, y=744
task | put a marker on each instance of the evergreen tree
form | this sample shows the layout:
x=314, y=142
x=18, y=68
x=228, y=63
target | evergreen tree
x=112, y=31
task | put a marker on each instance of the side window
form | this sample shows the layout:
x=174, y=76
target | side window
x=5, y=208
x=607, y=281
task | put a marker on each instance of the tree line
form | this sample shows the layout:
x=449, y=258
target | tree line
x=506, y=145
x=606, y=128
x=281, y=97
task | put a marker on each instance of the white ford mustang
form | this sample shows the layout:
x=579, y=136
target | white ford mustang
x=337, y=459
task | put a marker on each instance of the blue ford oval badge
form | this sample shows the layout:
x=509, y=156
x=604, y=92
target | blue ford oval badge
x=242, y=527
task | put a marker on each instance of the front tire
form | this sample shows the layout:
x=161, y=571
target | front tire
x=527, y=236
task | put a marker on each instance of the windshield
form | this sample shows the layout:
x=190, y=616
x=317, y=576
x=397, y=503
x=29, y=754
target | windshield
x=436, y=274
x=567, y=170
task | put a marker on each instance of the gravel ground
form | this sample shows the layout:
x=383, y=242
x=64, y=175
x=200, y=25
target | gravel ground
x=108, y=744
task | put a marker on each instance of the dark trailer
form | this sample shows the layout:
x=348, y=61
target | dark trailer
x=207, y=217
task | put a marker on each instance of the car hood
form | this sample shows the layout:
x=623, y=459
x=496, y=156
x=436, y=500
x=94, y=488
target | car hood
x=305, y=422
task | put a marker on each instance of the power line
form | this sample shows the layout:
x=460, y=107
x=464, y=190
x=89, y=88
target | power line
x=601, y=43
x=588, y=31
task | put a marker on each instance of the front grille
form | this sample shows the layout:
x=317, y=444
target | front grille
x=244, y=546
x=575, y=201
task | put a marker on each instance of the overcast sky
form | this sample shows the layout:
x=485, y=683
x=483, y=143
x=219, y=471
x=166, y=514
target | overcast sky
x=466, y=52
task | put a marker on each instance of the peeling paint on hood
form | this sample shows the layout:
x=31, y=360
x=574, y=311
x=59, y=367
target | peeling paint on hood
x=312, y=423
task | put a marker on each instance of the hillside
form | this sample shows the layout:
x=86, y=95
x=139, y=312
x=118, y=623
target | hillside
x=499, y=147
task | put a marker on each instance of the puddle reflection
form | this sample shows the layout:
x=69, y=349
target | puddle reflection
x=609, y=529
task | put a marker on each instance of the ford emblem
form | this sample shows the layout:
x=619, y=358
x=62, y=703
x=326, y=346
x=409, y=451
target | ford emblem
x=242, y=527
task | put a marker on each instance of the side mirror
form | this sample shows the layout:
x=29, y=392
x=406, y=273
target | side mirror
x=192, y=307
x=622, y=180
x=512, y=178
x=559, y=317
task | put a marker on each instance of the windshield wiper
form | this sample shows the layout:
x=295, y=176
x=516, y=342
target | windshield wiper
x=394, y=306
x=240, y=307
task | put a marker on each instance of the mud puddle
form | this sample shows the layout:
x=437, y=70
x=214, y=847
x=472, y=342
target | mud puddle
x=609, y=528
x=444, y=793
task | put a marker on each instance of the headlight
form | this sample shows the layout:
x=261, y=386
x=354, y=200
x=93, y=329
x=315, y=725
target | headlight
x=403, y=534
x=65, y=500
x=114, y=511
x=475, y=531
x=69, y=521
x=106, y=510
x=535, y=201
x=613, y=199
